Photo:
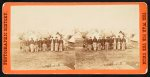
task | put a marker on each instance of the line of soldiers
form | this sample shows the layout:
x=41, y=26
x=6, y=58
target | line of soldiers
x=105, y=43
x=46, y=44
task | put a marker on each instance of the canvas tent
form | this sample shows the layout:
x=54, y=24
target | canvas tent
x=75, y=37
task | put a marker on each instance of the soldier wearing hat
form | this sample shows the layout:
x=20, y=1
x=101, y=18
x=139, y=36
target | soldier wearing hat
x=94, y=43
x=118, y=43
x=89, y=43
x=114, y=43
x=123, y=43
x=36, y=45
x=32, y=47
x=99, y=41
x=111, y=40
x=56, y=44
x=107, y=43
x=40, y=43
x=27, y=44
x=44, y=45
x=52, y=44
x=48, y=43
x=61, y=44
x=103, y=43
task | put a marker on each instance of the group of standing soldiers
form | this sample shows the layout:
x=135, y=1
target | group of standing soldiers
x=45, y=44
x=105, y=43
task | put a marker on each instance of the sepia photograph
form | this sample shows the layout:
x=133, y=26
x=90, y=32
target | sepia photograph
x=75, y=37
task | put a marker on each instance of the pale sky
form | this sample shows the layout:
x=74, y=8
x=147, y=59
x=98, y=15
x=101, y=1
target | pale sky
x=65, y=18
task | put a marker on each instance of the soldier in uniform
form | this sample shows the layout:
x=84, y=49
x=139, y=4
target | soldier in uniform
x=22, y=42
x=84, y=43
x=103, y=43
x=114, y=43
x=118, y=43
x=27, y=43
x=66, y=45
x=106, y=43
x=111, y=42
x=56, y=44
x=94, y=44
x=90, y=42
x=32, y=47
x=40, y=42
x=44, y=45
x=123, y=43
x=49, y=43
x=61, y=44
x=24, y=45
x=52, y=44
x=36, y=45
x=99, y=43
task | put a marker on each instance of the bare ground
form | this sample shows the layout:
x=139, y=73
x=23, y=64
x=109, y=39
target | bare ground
x=74, y=59
x=42, y=60
x=128, y=59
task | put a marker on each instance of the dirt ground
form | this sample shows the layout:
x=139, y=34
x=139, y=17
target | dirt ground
x=74, y=59
x=112, y=59
x=42, y=60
